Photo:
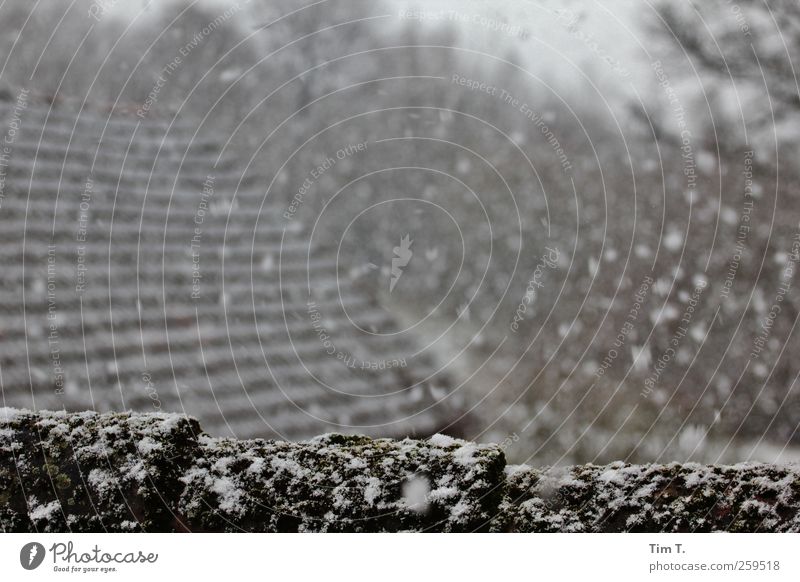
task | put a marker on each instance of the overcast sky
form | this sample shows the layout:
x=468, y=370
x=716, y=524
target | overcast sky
x=605, y=41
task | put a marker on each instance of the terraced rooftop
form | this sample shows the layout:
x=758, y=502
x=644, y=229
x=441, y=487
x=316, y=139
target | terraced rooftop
x=142, y=272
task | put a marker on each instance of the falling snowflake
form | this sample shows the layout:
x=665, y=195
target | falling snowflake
x=673, y=240
x=415, y=493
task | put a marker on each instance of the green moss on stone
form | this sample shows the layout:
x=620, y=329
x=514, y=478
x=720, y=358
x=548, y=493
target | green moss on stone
x=157, y=472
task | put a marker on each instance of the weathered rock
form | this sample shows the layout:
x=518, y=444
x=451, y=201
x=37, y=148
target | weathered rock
x=93, y=472
x=652, y=498
x=340, y=483
x=159, y=472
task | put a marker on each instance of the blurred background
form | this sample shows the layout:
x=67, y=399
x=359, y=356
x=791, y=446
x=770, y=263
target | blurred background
x=581, y=219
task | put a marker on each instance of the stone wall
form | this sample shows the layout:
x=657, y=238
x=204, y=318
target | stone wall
x=159, y=472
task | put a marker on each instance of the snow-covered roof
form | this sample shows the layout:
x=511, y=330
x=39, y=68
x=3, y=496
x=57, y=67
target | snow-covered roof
x=141, y=273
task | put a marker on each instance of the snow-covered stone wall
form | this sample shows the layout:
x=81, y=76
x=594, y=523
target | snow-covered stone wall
x=159, y=472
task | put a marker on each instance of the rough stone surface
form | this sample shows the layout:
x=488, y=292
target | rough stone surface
x=160, y=472
x=652, y=498
x=343, y=483
x=92, y=472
